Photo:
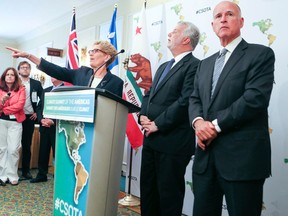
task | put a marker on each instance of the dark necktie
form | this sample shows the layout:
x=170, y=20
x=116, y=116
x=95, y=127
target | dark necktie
x=218, y=68
x=166, y=70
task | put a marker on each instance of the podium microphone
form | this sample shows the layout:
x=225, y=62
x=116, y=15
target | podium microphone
x=92, y=77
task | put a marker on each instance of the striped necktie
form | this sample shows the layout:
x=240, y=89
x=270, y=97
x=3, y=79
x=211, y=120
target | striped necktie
x=219, y=63
x=165, y=72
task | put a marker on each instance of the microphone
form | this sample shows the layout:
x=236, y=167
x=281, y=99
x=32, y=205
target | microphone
x=5, y=98
x=92, y=77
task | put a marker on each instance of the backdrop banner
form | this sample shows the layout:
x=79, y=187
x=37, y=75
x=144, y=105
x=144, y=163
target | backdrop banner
x=264, y=24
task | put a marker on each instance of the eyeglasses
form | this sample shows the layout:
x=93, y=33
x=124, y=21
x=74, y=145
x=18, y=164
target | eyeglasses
x=95, y=51
x=28, y=68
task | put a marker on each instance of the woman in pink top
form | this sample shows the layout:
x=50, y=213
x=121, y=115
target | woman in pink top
x=12, y=100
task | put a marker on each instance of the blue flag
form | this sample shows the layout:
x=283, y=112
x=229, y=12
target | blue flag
x=112, y=36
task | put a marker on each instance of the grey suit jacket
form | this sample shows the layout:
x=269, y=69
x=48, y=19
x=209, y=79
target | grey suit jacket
x=168, y=107
x=239, y=103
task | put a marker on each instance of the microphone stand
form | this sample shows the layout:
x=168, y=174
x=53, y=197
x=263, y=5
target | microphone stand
x=92, y=77
x=94, y=72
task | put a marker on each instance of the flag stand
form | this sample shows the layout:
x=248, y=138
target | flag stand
x=129, y=200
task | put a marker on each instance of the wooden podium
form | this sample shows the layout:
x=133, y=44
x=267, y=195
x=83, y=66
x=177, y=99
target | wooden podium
x=89, y=149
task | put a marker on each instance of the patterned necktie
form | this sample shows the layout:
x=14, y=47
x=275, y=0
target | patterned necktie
x=218, y=68
x=166, y=70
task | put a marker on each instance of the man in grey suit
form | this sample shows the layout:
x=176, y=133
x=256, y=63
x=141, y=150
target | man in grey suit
x=169, y=141
x=233, y=156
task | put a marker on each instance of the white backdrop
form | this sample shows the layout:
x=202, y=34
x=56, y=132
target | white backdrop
x=264, y=24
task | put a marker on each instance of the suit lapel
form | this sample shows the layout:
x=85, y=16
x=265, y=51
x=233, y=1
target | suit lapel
x=208, y=68
x=170, y=73
x=237, y=54
x=105, y=80
x=31, y=90
x=157, y=77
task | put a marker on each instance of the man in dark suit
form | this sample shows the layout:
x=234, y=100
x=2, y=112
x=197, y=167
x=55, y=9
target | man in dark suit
x=169, y=141
x=47, y=136
x=233, y=156
x=33, y=93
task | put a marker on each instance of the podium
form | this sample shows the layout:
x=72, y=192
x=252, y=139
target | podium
x=90, y=137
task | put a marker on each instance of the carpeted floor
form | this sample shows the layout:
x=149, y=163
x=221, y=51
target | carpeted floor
x=28, y=199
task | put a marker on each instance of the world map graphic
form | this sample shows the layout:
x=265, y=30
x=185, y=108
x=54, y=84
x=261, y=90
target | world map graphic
x=74, y=138
x=264, y=26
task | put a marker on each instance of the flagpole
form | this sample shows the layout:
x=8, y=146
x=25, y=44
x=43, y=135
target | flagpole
x=129, y=200
x=72, y=58
x=112, y=37
x=130, y=170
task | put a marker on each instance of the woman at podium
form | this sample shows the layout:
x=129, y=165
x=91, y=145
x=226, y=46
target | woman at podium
x=97, y=75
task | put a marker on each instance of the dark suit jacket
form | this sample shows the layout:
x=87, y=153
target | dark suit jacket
x=242, y=150
x=40, y=109
x=35, y=86
x=81, y=76
x=167, y=106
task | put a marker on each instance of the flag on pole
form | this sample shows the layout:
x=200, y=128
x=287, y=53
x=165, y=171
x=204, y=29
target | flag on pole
x=138, y=77
x=112, y=36
x=162, y=50
x=72, y=61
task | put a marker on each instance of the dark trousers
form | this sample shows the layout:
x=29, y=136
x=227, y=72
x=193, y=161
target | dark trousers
x=162, y=183
x=28, y=129
x=242, y=197
x=47, y=140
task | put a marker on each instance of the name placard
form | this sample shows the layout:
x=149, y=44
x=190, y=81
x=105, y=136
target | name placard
x=70, y=105
x=54, y=52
